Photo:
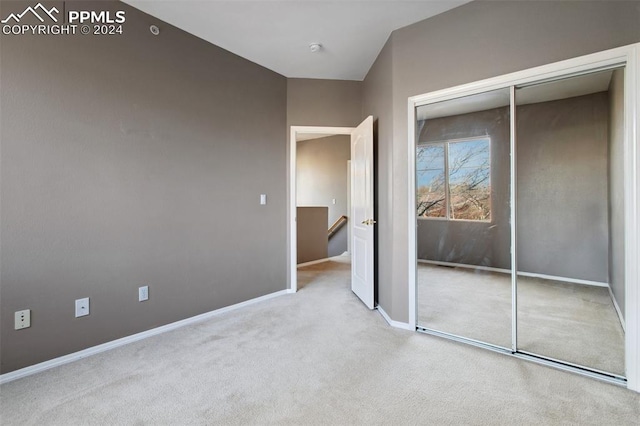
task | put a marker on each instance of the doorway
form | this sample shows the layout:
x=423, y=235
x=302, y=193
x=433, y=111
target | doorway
x=314, y=207
x=359, y=220
x=322, y=196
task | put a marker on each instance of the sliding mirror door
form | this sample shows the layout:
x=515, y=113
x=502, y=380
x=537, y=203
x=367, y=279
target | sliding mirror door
x=570, y=221
x=463, y=217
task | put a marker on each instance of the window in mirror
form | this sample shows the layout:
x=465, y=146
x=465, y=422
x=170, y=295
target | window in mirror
x=454, y=180
x=431, y=181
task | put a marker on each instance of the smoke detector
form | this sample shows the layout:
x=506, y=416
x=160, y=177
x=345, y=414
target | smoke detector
x=315, y=47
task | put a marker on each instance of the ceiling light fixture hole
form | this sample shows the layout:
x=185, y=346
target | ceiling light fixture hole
x=315, y=47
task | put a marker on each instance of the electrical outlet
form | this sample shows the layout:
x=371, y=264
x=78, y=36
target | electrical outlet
x=82, y=307
x=143, y=293
x=23, y=319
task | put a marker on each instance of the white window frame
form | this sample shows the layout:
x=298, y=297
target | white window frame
x=447, y=191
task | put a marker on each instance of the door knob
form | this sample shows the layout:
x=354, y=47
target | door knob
x=368, y=222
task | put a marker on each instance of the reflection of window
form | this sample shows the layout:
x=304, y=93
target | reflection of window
x=454, y=179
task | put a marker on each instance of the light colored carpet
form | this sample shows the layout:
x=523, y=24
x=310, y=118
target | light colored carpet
x=569, y=322
x=316, y=357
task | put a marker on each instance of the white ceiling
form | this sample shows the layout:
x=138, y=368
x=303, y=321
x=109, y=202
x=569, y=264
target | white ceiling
x=276, y=34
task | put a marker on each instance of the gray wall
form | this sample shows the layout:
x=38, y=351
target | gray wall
x=127, y=161
x=117, y=153
x=377, y=98
x=478, y=40
x=333, y=103
x=562, y=188
x=322, y=177
x=311, y=233
x=562, y=191
x=616, y=188
x=467, y=242
x=329, y=103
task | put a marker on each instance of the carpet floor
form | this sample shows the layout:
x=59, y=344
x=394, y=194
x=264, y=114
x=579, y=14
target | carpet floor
x=568, y=322
x=314, y=357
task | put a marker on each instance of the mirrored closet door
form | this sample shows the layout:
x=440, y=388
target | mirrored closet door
x=463, y=232
x=570, y=220
x=520, y=220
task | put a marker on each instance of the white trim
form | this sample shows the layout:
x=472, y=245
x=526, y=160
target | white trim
x=348, y=252
x=618, y=311
x=513, y=217
x=412, y=223
x=291, y=184
x=314, y=262
x=462, y=265
x=393, y=323
x=632, y=216
x=520, y=273
x=628, y=56
x=564, y=279
x=66, y=359
x=446, y=143
x=580, y=64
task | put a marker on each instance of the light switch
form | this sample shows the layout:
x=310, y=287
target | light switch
x=333, y=201
x=263, y=199
x=143, y=293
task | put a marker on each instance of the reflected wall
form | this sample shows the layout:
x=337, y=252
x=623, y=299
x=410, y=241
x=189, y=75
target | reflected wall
x=462, y=199
x=567, y=230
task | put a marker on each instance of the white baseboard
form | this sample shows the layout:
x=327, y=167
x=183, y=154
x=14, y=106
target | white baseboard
x=564, y=279
x=520, y=273
x=393, y=323
x=313, y=262
x=619, y=312
x=462, y=265
x=66, y=359
x=326, y=259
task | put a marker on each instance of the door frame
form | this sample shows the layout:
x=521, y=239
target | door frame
x=292, y=245
x=629, y=56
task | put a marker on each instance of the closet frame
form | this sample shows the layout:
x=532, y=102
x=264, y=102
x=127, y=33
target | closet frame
x=627, y=57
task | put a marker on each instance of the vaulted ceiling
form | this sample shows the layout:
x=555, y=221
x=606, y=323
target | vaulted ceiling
x=277, y=34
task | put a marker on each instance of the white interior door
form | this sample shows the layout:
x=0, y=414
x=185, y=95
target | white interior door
x=362, y=220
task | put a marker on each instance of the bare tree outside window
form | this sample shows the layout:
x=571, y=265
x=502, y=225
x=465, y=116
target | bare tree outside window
x=430, y=163
x=454, y=180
